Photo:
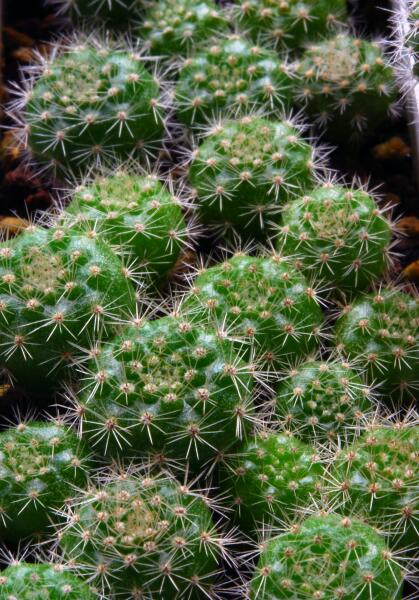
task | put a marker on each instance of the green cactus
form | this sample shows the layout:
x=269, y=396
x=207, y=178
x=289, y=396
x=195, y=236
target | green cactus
x=327, y=557
x=40, y=463
x=337, y=234
x=379, y=333
x=230, y=78
x=58, y=289
x=245, y=169
x=114, y=13
x=412, y=37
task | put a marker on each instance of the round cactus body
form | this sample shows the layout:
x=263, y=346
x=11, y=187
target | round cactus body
x=320, y=400
x=337, y=234
x=327, y=557
x=90, y=104
x=115, y=13
x=178, y=27
x=40, y=462
x=271, y=478
x=379, y=332
x=57, y=290
x=229, y=78
x=26, y=581
x=245, y=169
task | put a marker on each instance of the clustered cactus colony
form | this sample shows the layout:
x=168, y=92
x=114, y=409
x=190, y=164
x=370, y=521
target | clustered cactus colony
x=223, y=423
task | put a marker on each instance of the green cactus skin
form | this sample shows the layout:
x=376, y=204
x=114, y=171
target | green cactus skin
x=377, y=476
x=264, y=300
x=327, y=557
x=137, y=215
x=168, y=385
x=57, y=289
x=40, y=462
x=347, y=86
x=338, y=234
x=25, y=581
x=91, y=103
x=322, y=400
x=143, y=537
x=379, y=332
x=288, y=25
x=272, y=477
x=230, y=77
x=245, y=169
x=177, y=27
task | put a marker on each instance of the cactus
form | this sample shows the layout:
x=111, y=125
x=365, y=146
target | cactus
x=327, y=557
x=320, y=400
x=114, y=13
x=338, y=234
x=288, y=25
x=58, y=289
x=346, y=85
x=245, y=169
x=405, y=58
x=379, y=333
x=230, y=78
x=177, y=27
x=39, y=463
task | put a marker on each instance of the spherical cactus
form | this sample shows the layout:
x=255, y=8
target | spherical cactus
x=245, y=169
x=229, y=78
x=405, y=43
x=379, y=332
x=26, y=581
x=143, y=537
x=321, y=400
x=377, y=476
x=177, y=27
x=57, y=289
x=135, y=214
x=338, y=234
x=261, y=300
x=270, y=478
x=114, y=13
x=89, y=103
x=328, y=557
x=289, y=25
x=347, y=86
x=40, y=463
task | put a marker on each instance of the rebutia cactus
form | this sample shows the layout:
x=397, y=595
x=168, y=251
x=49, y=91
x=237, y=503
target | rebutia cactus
x=270, y=478
x=288, y=25
x=346, y=84
x=177, y=27
x=327, y=557
x=245, y=169
x=115, y=13
x=229, y=78
x=322, y=399
x=58, y=289
x=379, y=333
x=143, y=537
x=89, y=103
x=337, y=234
x=40, y=462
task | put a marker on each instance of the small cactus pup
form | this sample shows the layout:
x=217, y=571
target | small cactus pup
x=173, y=28
x=40, y=463
x=346, y=86
x=329, y=557
x=337, y=234
x=90, y=102
x=137, y=215
x=377, y=476
x=320, y=400
x=228, y=78
x=58, y=289
x=114, y=13
x=263, y=301
x=143, y=536
x=379, y=332
x=28, y=581
x=244, y=170
x=289, y=25
x=269, y=479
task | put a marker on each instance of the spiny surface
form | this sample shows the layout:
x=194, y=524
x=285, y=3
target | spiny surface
x=115, y=13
